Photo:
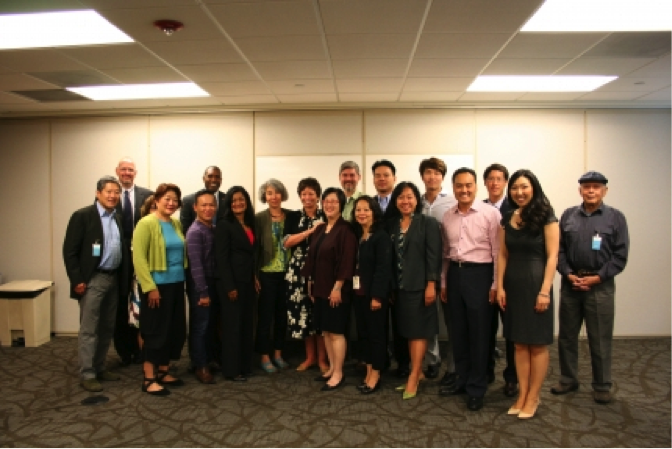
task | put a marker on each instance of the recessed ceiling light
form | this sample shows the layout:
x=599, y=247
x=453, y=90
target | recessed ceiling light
x=140, y=91
x=601, y=15
x=552, y=83
x=58, y=29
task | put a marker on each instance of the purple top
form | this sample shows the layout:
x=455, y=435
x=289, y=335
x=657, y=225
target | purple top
x=201, y=252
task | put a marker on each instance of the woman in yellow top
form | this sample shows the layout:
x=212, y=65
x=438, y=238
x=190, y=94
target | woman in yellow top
x=159, y=259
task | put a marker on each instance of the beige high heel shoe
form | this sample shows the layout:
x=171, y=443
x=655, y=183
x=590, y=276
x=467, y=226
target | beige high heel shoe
x=523, y=415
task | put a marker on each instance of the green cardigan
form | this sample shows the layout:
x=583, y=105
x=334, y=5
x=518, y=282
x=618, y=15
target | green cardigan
x=149, y=250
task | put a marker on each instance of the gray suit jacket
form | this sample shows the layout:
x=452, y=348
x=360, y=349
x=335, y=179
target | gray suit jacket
x=421, y=251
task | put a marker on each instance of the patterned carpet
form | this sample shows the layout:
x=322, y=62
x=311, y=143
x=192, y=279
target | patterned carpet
x=40, y=406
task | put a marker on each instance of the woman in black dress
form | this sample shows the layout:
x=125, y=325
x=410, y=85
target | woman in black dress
x=372, y=285
x=299, y=226
x=528, y=255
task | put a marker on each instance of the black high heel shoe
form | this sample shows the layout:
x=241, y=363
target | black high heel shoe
x=148, y=382
x=161, y=374
x=328, y=387
x=321, y=378
x=370, y=390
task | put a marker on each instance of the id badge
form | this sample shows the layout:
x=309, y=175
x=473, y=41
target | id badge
x=355, y=282
x=96, y=250
x=597, y=242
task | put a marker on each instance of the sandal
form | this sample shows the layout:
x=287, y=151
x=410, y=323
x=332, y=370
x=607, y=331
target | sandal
x=268, y=367
x=280, y=363
x=148, y=382
x=173, y=383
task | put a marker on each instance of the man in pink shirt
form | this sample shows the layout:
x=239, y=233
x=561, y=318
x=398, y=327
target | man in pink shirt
x=470, y=247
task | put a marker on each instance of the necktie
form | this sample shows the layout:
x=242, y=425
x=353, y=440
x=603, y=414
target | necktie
x=127, y=218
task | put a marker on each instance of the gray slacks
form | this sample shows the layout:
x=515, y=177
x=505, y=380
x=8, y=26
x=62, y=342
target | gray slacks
x=97, y=315
x=433, y=355
x=596, y=307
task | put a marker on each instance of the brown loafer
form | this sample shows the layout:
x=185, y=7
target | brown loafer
x=561, y=388
x=602, y=397
x=204, y=375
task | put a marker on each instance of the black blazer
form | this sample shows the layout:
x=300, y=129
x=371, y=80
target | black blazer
x=140, y=195
x=235, y=256
x=188, y=216
x=504, y=208
x=84, y=229
x=422, y=252
x=375, y=265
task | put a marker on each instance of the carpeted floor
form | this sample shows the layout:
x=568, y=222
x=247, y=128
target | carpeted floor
x=40, y=405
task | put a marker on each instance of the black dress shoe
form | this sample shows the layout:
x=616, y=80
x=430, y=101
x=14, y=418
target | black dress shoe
x=491, y=377
x=321, y=378
x=369, y=390
x=561, y=388
x=361, y=386
x=238, y=378
x=328, y=387
x=510, y=389
x=451, y=391
x=474, y=403
x=448, y=379
x=432, y=371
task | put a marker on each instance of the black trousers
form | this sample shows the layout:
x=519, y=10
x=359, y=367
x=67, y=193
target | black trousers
x=471, y=318
x=237, y=330
x=371, y=331
x=510, y=370
x=272, y=312
x=164, y=328
x=399, y=343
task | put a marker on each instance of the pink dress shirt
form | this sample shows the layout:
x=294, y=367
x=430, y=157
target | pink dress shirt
x=471, y=237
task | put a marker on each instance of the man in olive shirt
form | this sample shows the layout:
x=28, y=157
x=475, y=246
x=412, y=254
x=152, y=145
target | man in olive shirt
x=349, y=177
x=594, y=247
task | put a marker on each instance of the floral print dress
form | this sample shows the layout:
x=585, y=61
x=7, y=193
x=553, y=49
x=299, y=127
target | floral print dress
x=299, y=305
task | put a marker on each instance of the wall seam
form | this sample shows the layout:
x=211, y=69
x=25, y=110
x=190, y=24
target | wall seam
x=364, y=168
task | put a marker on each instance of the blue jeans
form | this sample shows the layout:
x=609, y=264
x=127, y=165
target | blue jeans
x=203, y=326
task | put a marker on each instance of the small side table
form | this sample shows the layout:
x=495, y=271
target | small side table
x=26, y=306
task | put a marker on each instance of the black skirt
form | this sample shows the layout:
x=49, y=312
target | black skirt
x=331, y=319
x=414, y=319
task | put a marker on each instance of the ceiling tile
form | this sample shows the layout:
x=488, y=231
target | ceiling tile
x=139, y=23
x=524, y=66
x=289, y=87
x=551, y=96
x=279, y=18
x=380, y=46
x=371, y=16
x=202, y=73
x=281, y=70
x=437, y=84
x=368, y=97
x=248, y=99
x=113, y=56
x=17, y=81
x=659, y=68
x=235, y=88
x=549, y=45
x=73, y=78
x=635, y=85
x=281, y=48
x=367, y=68
x=661, y=95
x=603, y=66
x=602, y=96
x=195, y=52
x=186, y=102
x=8, y=98
x=308, y=98
x=430, y=97
x=460, y=45
x=632, y=45
x=142, y=75
x=479, y=16
x=120, y=4
x=37, y=60
x=490, y=96
x=428, y=68
x=369, y=85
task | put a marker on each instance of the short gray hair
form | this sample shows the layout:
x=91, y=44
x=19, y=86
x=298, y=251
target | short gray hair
x=275, y=184
x=105, y=180
x=349, y=164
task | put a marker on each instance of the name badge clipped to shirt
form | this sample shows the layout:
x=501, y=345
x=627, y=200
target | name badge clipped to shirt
x=96, y=250
x=355, y=282
x=597, y=242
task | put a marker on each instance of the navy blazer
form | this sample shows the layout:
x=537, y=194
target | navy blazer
x=235, y=256
x=84, y=229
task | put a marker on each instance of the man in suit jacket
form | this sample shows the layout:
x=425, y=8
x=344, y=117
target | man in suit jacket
x=212, y=180
x=132, y=197
x=95, y=257
x=496, y=177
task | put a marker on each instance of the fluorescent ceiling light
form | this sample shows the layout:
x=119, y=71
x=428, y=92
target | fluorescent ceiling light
x=601, y=15
x=552, y=83
x=140, y=91
x=58, y=29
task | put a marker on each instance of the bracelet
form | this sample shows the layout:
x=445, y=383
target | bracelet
x=545, y=295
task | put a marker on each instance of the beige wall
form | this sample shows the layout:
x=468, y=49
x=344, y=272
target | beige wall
x=48, y=169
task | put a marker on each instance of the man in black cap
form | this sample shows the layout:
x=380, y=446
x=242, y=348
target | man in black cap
x=594, y=247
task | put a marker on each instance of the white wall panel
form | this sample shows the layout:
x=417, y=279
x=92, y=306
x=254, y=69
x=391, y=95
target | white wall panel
x=632, y=149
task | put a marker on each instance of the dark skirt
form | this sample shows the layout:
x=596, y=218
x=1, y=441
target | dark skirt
x=414, y=319
x=331, y=319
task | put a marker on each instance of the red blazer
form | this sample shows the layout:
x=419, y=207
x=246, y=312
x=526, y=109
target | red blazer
x=335, y=260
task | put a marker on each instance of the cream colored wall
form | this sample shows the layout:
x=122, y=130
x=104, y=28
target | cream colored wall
x=52, y=165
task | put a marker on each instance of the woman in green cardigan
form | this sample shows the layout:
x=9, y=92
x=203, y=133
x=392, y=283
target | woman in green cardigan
x=160, y=259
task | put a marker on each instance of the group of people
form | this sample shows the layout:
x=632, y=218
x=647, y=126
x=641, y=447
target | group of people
x=398, y=257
